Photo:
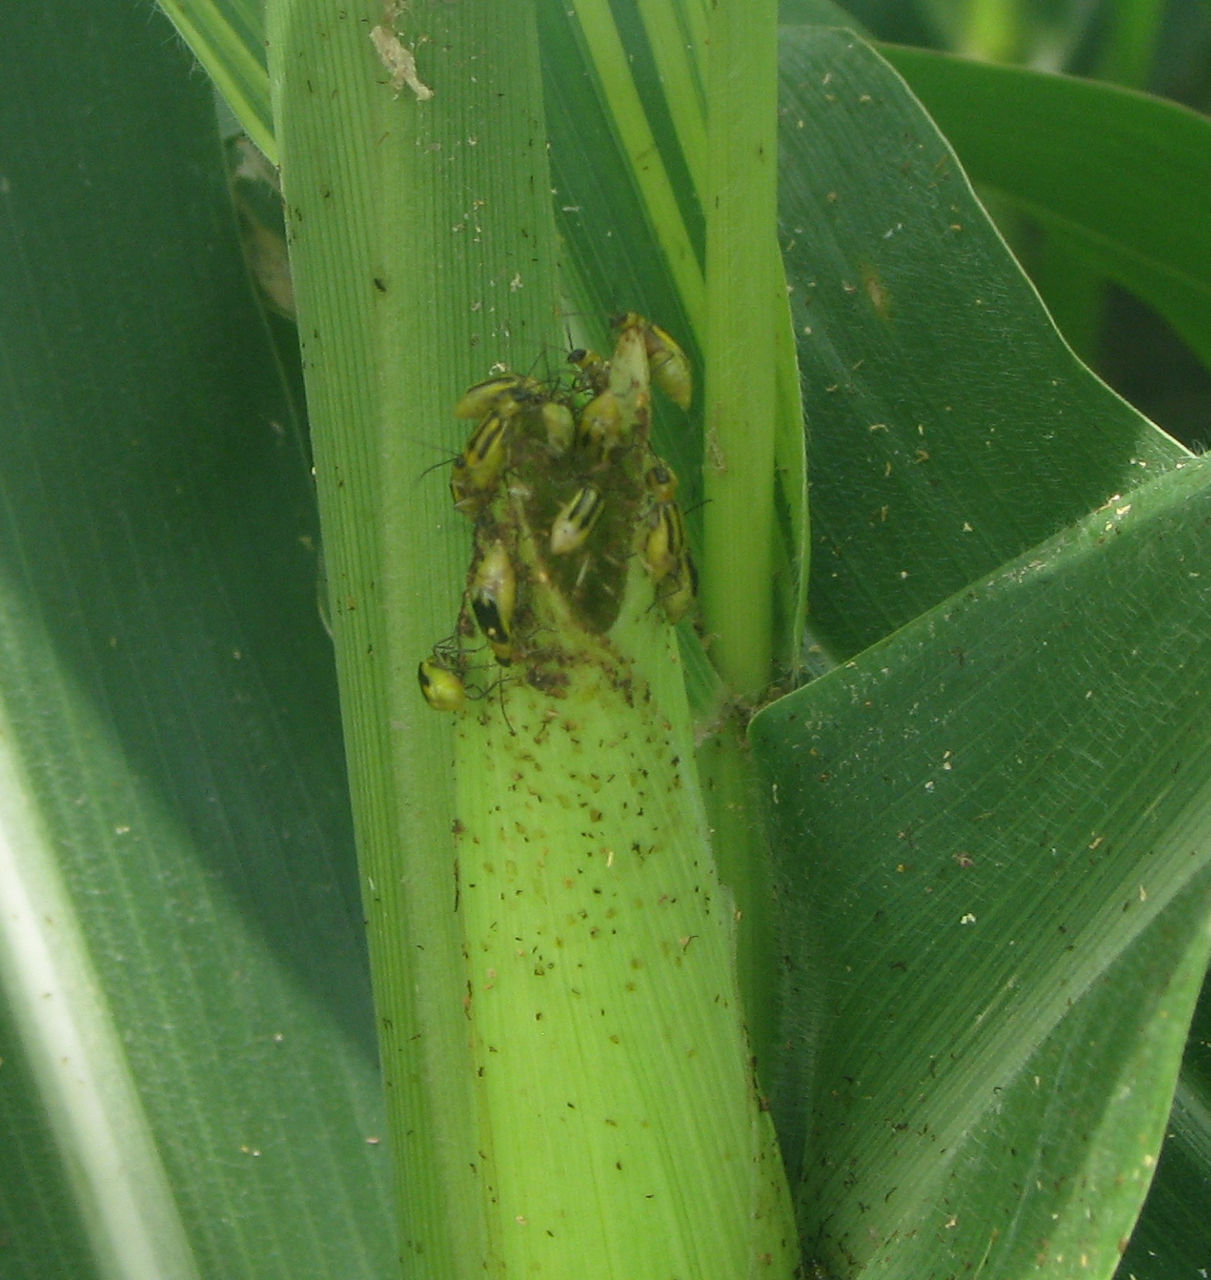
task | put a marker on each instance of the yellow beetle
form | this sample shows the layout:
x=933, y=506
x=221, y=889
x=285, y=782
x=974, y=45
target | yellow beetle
x=477, y=470
x=664, y=547
x=505, y=394
x=670, y=365
x=575, y=521
x=494, y=599
x=599, y=431
x=560, y=425
x=442, y=686
x=594, y=369
x=680, y=590
x=661, y=481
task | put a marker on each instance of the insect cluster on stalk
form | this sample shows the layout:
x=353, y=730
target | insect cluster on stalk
x=562, y=489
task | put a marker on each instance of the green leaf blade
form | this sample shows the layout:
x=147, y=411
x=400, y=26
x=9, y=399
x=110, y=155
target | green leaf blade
x=228, y=38
x=996, y=804
x=947, y=419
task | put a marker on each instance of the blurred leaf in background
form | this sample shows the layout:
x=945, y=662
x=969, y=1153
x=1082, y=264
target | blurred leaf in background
x=1043, y=152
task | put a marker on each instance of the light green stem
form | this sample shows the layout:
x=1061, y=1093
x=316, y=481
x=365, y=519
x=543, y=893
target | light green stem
x=621, y=1136
x=745, y=308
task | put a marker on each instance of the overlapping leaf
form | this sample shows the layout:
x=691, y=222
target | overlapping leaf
x=975, y=816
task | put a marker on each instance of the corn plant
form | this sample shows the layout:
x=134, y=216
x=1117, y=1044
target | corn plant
x=755, y=886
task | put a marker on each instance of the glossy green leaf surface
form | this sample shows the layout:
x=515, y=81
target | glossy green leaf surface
x=949, y=425
x=924, y=791
x=1000, y=819
x=174, y=802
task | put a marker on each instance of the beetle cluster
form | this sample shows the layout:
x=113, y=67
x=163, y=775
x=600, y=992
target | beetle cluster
x=563, y=490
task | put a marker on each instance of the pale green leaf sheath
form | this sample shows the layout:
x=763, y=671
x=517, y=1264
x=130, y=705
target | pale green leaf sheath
x=567, y=1071
x=621, y=1132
